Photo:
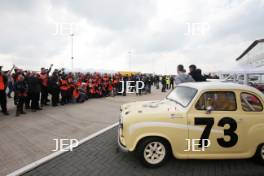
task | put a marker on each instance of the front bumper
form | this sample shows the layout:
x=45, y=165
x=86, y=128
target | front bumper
x=120, y=145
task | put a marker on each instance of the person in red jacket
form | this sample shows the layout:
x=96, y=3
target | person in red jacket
x=3, y=85
x=76, y=93
x=21, y=89
x=70, y=82
x=63, y=89
x=44, y=76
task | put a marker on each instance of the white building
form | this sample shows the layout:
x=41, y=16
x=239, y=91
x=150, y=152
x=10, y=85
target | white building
x=253, y=56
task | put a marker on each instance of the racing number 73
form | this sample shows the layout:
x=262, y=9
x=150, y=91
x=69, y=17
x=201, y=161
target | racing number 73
x=209, y=122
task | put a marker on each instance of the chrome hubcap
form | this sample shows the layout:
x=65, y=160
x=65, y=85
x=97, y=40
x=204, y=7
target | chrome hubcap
x=262, y=152
x=154, y=152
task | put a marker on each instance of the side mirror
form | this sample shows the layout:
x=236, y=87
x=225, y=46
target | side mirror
x=209, y=109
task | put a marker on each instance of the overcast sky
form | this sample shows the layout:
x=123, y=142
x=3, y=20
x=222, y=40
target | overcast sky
x=158, y=34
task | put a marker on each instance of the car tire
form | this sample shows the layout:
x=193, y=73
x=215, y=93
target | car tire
x=153, y=151
x=260, y=154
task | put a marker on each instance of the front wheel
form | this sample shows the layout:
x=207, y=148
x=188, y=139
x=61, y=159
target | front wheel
x=260, y=154
x=153, y=151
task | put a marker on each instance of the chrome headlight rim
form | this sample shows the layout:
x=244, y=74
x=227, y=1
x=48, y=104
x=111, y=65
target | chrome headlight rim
x=120, y=121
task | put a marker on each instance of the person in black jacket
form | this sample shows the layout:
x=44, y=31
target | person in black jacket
x=171, y=82
x=125, y=79
x=27, y=98
x=139, y=78
x=21, y=93
x=156, y=81
x=3, y=85
x=54, y=88
x=34, y=88
x=148, y=83
x=163, y=82
x=196, y=73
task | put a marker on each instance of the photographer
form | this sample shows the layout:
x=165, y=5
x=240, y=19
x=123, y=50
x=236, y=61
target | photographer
x=54, y=88
x=34, y=88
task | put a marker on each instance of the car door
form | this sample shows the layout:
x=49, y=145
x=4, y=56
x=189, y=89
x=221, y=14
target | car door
x=252, y=114
x=214, y=122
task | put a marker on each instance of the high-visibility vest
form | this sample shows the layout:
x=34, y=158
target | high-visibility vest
x=2, y=84
x=79, y=83
x=167, y=80
x=76, y=93
x=63, y=85
x=92, y=91
x=110, y=87
x=44, y=79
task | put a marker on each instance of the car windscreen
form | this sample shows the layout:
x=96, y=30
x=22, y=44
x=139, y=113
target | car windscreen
x=182, y=95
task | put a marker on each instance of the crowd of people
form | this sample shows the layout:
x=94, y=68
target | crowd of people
x=32, y=89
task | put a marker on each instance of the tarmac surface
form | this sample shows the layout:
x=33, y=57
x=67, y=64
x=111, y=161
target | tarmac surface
x=28, y=138
x=99, y=157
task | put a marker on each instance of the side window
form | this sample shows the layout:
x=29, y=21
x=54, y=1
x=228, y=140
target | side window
x=219, y=101
x=250, y=103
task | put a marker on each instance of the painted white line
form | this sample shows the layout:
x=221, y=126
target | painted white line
x=55, y=154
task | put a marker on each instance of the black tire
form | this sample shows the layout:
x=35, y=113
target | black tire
x=162, y=152
x=259, y=156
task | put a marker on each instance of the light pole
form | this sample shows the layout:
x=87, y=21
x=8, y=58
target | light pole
x=129, y=59
x=72, y=35
x=152, y=64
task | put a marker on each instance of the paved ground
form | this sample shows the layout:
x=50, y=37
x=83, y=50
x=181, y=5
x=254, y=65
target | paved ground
x=99, y=157
x=29, y=137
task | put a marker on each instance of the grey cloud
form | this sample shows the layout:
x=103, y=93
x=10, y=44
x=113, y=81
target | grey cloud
x=245, y=24
x=170, y=38
x=17, y=5
x=114, y=14
x=26, y=34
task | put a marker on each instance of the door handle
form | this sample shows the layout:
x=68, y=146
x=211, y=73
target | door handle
x=240, y=120
x=175, y=116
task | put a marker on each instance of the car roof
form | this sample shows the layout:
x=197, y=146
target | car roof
x=219, y=85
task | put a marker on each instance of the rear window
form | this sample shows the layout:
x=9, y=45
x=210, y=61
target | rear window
x=251, y=103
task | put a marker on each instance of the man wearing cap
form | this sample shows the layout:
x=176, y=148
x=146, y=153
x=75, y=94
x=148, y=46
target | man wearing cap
x=3, y=85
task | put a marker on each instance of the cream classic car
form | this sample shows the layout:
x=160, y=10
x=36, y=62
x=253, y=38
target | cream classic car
x=210, y=120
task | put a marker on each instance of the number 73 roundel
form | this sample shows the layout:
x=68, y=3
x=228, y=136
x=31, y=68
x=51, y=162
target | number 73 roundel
x=209, y=122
